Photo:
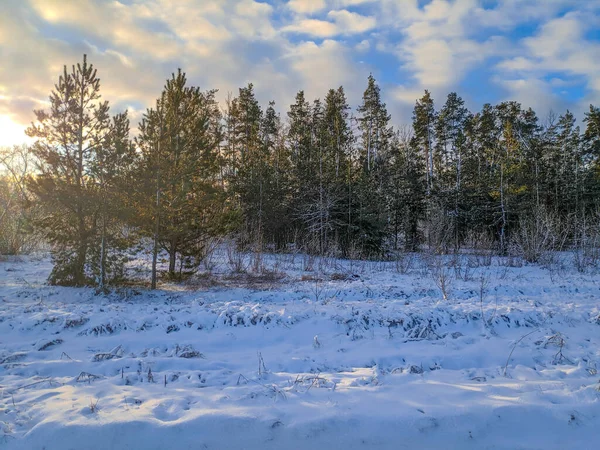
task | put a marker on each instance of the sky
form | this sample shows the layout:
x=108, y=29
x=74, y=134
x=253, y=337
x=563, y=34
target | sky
x=542, y=53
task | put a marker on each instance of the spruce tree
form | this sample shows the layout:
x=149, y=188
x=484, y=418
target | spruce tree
x=375, y=150
x=337, y=168
x=301, y=148
x=407, y=187
x=591, y=157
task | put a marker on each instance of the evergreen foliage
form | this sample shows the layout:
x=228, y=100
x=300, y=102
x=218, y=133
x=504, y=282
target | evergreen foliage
x=321, y=180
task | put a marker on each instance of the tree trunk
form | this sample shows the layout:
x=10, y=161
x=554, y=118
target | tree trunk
x=103, y=252
x=79, y=270
x=172, y=258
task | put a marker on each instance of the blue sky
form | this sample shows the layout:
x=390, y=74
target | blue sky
x=543, y=53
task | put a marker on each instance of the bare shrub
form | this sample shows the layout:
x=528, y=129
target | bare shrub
x=317, y=289
x=308, y=263
x=461, y=271
x=586, y=251
x=514, y=259
x=94, y=406
x=440, y=230
x=483, y=247
x=538, y=233
x=16, y=164
x=209, y=261
x=262, y=368
x=483, y=285
x=235, y=259
x=517, y=342
x=426, y=264
x=404, y=263
x=257, y=263
x=554, y=264
x=559, y=342
x=339, y=276
x=441, y=276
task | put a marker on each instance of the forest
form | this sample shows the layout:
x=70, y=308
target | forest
x=321, y=178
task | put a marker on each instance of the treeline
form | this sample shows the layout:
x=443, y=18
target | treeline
x=323, y=179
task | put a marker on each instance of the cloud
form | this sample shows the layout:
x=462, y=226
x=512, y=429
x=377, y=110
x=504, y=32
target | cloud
x=559, y=47
x=340, y=22
x=363, y=46
x=325, y=66
x=350, y=22
x=306, y=6
x=313, y=27
x=437, y=48
x=114, y=22
x=518, y=49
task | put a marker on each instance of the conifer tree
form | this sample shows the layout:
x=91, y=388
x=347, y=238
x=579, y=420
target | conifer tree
x=179, y=141
x=113, y=169
x=407, y=185
x=450, y=154
x=591, y=157
x=423, y=141
x=253, y=138
x=300, y=141
x=337, y=167
x=68, y=139
x=424, y=134
x=375, y=139
x=275, y=170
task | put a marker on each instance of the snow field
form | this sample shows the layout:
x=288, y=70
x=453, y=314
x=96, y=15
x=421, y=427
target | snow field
x=355, y=355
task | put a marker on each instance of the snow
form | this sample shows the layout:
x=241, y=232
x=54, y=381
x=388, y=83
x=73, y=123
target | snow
x=347, y=355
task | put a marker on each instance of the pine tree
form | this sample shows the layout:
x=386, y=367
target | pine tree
x=179, y=140
x=113, y=168
x=450, y=152
x=423, y=140
x=68, y=139
x=568, y=183
x=509, y=175
x=424, y=117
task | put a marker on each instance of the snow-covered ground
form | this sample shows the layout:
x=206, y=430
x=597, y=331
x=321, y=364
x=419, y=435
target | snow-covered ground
x=346, y=355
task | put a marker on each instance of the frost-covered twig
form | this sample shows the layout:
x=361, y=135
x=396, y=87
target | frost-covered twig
x=560, y=343
x=262, y=369
x=48, y=379
x=86, y=376
x=515, y=346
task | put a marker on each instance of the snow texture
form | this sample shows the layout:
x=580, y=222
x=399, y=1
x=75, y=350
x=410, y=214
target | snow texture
x=349, y=355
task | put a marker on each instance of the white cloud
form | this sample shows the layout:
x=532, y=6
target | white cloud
x=313, y=27
x=438, y=49
x=225, y=44
x=363, y=46
x=560, y=46
x=350, y=22
x=325, y=66
x=306, y=6
x=341, y=22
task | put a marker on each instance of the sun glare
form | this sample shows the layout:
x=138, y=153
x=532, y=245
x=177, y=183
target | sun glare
x=11, y=133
